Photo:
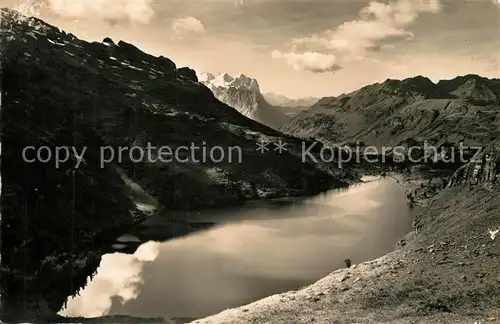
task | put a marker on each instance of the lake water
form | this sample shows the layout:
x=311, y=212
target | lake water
x=255, y=251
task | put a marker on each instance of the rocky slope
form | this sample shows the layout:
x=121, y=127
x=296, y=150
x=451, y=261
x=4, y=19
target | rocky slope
x=463, y=109
x=60, y=91
x=243, y=94
x=484, y=170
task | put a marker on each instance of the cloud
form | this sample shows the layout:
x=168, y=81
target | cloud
x=310, y=61
x=187, y=26
x=29, y=8
x=118, y=276
x=377, y=23
x=135, y=11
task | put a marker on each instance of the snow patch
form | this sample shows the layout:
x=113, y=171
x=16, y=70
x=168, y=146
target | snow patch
x=32, y=35
x=493, y=233
x=127, y=238
x=224, y=80
x=135, y=68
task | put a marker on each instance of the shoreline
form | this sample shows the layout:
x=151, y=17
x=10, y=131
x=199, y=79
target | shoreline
x=374, y=179
x=415, y=283
x=316, y=289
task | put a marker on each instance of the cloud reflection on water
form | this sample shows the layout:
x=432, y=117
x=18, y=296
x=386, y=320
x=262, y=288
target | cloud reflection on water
x=118, y=276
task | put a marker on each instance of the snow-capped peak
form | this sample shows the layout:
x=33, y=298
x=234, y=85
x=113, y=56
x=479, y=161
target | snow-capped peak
x=225, y=80
x=243, y=94
x=205, y=77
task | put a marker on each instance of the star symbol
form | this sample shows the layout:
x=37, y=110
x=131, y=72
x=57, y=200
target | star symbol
x=262, y=146
x=280, y=146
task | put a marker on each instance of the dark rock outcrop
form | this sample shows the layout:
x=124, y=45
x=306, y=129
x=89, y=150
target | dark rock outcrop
x=484, y=170
x=190, y=74
x=108, y=41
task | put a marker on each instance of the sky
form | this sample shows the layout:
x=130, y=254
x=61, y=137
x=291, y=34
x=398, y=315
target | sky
x=297, y=48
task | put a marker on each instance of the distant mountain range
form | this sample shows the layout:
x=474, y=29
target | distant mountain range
x=243, y=93
x=465, y=109
x=296, y=105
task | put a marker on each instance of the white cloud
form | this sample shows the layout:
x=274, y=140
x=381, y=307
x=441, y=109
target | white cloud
x=135, y=11
x=310, y=61
x=187, y=26
x=352, y=40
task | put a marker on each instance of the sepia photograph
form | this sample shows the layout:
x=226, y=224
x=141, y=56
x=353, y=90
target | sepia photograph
x=250, y=161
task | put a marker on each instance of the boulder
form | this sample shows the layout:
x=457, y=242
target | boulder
x=188, y=73
x=108, y=41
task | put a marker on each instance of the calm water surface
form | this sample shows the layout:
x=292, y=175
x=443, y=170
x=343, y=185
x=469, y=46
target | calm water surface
x=256, y=250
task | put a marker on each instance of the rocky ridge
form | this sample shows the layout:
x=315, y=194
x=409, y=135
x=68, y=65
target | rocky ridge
x=464, y=109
